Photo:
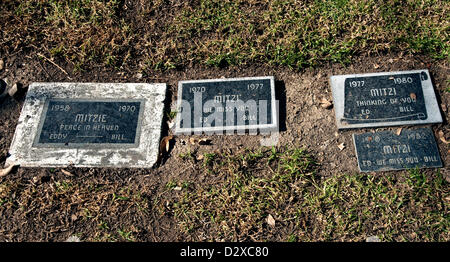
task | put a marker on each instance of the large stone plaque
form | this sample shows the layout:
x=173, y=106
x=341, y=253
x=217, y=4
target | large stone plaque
x=71, y=123
x=383, y=151
x=89, y=124
x=384, y=99
x=218, y=105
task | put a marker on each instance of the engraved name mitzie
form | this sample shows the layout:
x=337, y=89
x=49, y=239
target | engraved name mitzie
x=88, y=122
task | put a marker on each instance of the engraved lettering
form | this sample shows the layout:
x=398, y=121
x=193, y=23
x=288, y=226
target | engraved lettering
x=412, y=160
x=396, y=161
x=430, y=159
x=118, y=137
x=381, y=162
x=196, y=89
x=95, y=118
x=357, y=83
x=365, y=111
x=387, y=150
x=402, y=80
x=375, y=92
x=396, y=149
x=404, y=109
x=226, y=98
x=255, y=86
x=371, y=102
x=57, y=136
x=367, y=163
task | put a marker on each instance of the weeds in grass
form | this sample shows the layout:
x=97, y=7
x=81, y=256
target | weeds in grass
x=79, y=32
x=171, y=115
x=165, y=35
x=126, y=235
x=89, y=206
x=234, y=206
x=208, y=159
x=171, y=185
x=187, y=155
x=103, y=225
x=345, y=207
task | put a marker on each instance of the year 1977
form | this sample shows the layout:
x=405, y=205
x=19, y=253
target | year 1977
x=202, y=89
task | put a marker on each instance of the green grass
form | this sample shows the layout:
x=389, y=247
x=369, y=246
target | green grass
x=347, y=207
x=160, y=35
x=81, y=33
x=208, y=159
x=126, y=235
x=171, y=115
x=237, y=194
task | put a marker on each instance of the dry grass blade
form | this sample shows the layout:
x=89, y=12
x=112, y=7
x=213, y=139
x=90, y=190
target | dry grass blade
x=193, y=141
x=165, y=144
x=202, y=141
x=53, y=63
x=65, y=172
x=325, y=103
x=7, y=170
x=442, y=137
x=271, y=220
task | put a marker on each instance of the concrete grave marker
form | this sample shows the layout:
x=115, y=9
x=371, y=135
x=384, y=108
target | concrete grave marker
x=383, y=151
x=218, y=105
x=384, y=99
x=89, y=125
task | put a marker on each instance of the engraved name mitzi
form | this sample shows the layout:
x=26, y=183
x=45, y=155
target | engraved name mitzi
x=383, y=151
x=384, y=99
x=389, y=99
x=89, y=125
x=219, y=105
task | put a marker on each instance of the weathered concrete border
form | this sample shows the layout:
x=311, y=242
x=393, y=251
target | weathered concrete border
x=144, y=155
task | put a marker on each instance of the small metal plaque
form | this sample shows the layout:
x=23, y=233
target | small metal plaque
x=384, y=99
x=383, y=151
x=226, y=104
x=71, y=123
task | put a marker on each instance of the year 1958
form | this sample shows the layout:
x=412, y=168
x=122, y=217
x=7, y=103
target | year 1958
x=127, y=108
x=63, y=108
